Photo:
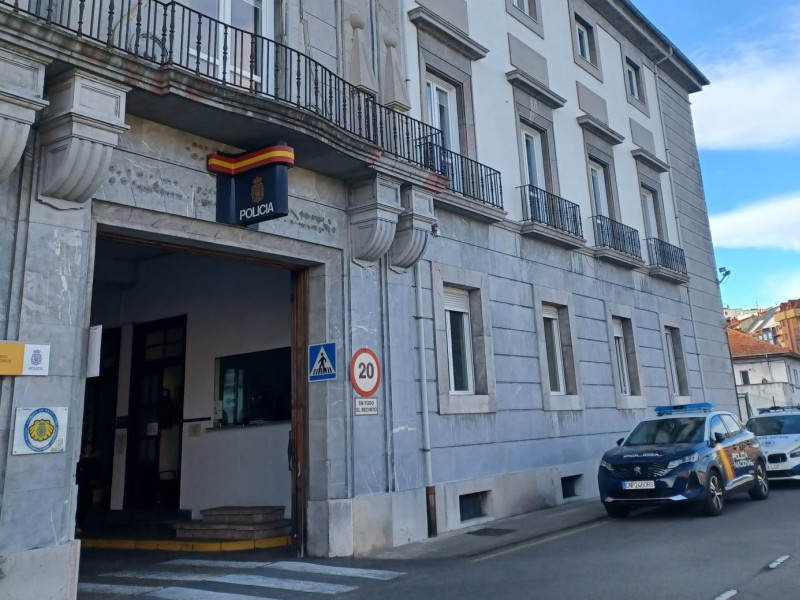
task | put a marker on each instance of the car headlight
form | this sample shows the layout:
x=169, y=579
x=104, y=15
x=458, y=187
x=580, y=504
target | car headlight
x=605, y=465
x=795, y=454
x=684, y=459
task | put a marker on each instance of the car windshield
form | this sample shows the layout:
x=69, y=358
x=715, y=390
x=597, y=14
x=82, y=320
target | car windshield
x=679, y=430
x=775, y=425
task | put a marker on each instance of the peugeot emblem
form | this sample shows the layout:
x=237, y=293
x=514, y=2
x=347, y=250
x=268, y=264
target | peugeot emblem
x=637, y=470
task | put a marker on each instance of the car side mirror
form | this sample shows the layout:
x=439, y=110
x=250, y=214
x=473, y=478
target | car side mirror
x=619, y=441
x=718, y=438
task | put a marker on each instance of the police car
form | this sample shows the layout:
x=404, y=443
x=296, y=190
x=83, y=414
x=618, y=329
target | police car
x=778, y=430
x=688, y=454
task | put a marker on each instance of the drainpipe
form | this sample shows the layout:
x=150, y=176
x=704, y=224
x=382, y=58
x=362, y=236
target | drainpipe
x=678, y=221
x=430, y=490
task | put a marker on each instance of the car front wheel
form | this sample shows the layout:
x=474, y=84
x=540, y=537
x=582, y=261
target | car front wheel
x=715, y=495
x=761, y=489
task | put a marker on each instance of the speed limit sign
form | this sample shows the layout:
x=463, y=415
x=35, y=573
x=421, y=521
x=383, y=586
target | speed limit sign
x=365, y=372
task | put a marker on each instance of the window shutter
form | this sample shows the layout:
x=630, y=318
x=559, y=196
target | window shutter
x=456, y=299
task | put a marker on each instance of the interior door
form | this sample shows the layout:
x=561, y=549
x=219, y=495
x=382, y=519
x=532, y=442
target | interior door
x=152, y=475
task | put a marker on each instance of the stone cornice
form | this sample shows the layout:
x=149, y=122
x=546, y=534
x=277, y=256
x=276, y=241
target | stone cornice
x=650, y=160
x=534, y=87
x=451, y=35
x=601, y=130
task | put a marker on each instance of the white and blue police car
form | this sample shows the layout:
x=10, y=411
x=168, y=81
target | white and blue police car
x=686, y=454
x=778, y=430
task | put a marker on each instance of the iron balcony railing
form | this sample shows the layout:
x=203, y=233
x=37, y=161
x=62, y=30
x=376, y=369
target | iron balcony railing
x=666, y=255
x=611, y=234
x=168, y=33
x=540, y=206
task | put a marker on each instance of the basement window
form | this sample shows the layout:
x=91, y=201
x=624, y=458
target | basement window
x=472, y=505
x=569, y=485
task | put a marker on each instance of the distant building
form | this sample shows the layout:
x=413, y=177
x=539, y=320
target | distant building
x=788, y=332
x=761, y=325
x=768, y=374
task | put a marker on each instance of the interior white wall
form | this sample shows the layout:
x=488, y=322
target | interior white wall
x=232, y=308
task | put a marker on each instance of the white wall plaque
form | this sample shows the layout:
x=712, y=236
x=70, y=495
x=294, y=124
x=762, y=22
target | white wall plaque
x=40, y=430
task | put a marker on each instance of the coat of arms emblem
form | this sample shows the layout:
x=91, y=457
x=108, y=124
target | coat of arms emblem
x=257, y=190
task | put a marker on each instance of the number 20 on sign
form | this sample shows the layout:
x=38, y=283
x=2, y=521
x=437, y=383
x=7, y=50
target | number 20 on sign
x=365, y=372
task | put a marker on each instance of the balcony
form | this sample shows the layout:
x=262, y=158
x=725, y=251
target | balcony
x=616, y=242
x=551, y=218
x=667, y=262
x=169, y=35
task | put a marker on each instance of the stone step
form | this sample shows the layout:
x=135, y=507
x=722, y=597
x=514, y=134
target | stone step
x=242, y=514
x=227, y=531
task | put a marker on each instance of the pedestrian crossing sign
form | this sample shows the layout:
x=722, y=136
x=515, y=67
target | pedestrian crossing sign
x=322, y=362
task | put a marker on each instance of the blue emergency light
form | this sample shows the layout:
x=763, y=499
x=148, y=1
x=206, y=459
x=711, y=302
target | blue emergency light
x=682, y=408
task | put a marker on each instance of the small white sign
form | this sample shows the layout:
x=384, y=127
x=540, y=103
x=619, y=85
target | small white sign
x=36, y=360
x=366, y=406
x=40, y=430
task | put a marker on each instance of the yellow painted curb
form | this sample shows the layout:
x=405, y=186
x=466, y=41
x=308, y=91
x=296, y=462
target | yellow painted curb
x=187, y=545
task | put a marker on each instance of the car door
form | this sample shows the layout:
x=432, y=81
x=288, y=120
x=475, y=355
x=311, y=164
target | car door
x=724, y=449
x=743, y=451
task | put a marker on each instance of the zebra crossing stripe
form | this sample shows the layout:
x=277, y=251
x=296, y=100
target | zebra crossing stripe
x=161, y=575
x=221, y=564
x=299, y=567
x=180, y=593
x=114, y=590
x=294, y=585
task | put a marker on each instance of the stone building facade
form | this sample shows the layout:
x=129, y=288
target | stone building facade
x=503, y=202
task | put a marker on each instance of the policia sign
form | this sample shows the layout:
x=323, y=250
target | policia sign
x=252, y=187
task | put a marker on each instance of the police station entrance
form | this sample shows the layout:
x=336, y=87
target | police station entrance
x=197, y=407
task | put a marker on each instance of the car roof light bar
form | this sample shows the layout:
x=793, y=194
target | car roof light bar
x=682, y=408
x=770, y=409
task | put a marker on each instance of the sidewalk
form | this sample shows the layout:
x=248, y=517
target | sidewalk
x=495, y=535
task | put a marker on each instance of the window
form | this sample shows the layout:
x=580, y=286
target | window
x=459, y=340
x=717, y=426
x=526, y=6
x=676, y=368
x=598, y=188
x=443, y=111
x=652, y=215
x=633, y=78
x=253, y=388
x=733, y=425
x=585, y=41
x=745, y=375
x=555, y=356
x=623, y=374
x=533, y=155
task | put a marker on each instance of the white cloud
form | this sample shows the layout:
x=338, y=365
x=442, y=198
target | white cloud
x=751, y=102
x=772, y=223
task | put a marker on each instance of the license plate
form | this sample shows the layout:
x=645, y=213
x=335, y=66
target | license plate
x=773, y=467
x=638, y=485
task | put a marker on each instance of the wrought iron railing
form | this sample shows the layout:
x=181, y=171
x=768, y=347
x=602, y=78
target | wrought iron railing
x=540, y=206
x=168, y=33
x=666, y=255
x=611, y=234
x=468, y=177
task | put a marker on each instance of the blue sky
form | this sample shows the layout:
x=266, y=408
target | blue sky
x=748, y=131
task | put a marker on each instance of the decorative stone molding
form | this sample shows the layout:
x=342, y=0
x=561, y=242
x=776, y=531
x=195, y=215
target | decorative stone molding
x=361, y=74
x=414, y=228
x=427, y=20
x=535, y=88
x=373, y=214
x=601, y=130
x=650, y=160
x=395, y=92
x=21, y=85
x=79, y=131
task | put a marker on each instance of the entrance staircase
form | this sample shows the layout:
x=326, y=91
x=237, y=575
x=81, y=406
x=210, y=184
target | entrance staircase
x=236, y=523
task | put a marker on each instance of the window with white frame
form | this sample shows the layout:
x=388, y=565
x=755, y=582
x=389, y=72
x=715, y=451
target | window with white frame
x=653, y=226
x=621, y=352
x=459, y=340
x=527, y=6
x=676, y=368
x=598, y=188
x=554, y=349
x=633, y=79
x=584, y=39
x=443, y=110
x=533, y=157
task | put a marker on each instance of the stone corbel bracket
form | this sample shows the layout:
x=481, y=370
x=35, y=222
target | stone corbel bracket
x=79, y=132
x=21, y=85
x=373, y=214
x=414, y=228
